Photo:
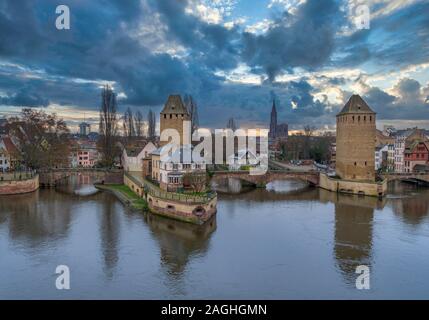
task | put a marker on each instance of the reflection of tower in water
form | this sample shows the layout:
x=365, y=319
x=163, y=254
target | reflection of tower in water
x=353, y=238
x=109, y=230
x=179, y=241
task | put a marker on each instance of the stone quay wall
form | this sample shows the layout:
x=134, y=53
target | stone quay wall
x=175, y=206
x=9, y=187
x=376, y=189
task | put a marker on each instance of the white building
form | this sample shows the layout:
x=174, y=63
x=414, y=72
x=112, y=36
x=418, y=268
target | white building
x=132, y=158
x=173, y=166
x=399, y=153
x=4, y=159
x=381, y=154
x=390, y=157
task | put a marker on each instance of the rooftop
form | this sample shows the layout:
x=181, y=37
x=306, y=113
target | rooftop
x=174, y=105
x=356, y=105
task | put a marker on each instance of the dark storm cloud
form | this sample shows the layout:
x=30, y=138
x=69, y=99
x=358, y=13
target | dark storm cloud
x=394, y=40
x=409, y=101
x=251, y=105
x=67, y=67
x=210, y=44
x=24, y=98
x=100, y=45
x=305, y=40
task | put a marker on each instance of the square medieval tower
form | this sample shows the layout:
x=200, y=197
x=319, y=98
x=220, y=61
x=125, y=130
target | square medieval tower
x=356, y=132
x=173, y=115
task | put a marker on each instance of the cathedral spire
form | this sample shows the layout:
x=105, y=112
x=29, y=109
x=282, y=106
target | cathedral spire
x=273, y=121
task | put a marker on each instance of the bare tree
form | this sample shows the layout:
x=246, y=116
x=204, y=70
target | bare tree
x=128, y=124
x=197, y=180
x=108, y=127
x=43, y=139
x=151, y=124
x=138, y=123
x=308, y=133
x=309, y=130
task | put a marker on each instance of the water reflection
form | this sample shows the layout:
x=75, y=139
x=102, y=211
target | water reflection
x=109, y=227
x=231, y=186
x=409, y=202
x=290, y=226
x=79, y=184
x=32, y=221
x=353, y=236
x=179, y=242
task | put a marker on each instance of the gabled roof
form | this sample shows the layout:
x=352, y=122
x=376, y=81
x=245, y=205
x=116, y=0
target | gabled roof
x=356, y=105
x=411, y=145
x=10, y=146
x=135, y=149
x=174, y=105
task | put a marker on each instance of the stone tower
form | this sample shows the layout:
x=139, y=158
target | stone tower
x=356, y=132
x=273, y=122
x=173, y=115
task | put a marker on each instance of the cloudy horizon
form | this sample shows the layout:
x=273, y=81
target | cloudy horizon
x=233, y=56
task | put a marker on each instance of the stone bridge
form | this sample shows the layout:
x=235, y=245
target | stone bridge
x=55, y=177
x=418, y=178
x=310, y=177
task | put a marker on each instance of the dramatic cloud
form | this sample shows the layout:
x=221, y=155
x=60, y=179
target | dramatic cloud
x=408, y=102
x=305, y=39
x=233, y=61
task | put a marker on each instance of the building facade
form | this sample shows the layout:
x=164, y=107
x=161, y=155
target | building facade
x=133, y=158
x=4, y=160
x=381, y=157
x=84, y=128
x=10, y=156
x=355, y=145
x=416, y=153
x=399, y=153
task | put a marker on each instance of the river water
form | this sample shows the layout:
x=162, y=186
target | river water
x=287, y=242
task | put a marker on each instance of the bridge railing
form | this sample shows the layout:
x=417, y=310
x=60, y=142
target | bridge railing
x=78, y=170
x=157, y=192
x=17, y=175
x=269, y=171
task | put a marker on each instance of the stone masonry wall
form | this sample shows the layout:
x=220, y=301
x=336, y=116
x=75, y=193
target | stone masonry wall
x=19, y=186
x=356, y=135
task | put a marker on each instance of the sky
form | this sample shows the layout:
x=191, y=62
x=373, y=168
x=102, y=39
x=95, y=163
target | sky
x=233, y=56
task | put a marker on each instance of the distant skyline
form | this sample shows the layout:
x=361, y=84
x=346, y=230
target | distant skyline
x=232, y=56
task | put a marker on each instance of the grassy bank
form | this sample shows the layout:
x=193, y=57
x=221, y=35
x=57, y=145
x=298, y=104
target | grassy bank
x=125, y=195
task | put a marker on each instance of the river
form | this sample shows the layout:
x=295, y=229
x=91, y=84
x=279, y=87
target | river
x=286, y=242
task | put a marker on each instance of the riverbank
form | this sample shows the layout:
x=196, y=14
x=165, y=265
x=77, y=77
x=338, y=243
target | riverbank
x=125, y=195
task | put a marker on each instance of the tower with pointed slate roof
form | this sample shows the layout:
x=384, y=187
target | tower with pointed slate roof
x=356, y=134
x=173, y=115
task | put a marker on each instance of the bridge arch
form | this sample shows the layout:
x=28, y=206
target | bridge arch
x=311, y=178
